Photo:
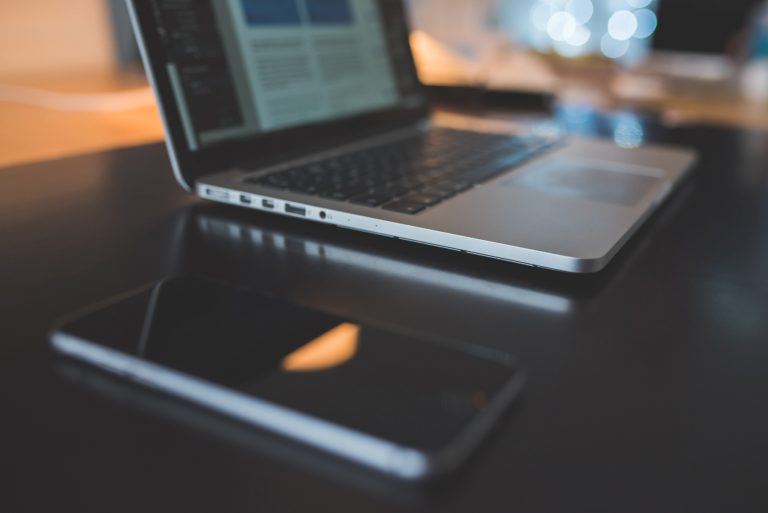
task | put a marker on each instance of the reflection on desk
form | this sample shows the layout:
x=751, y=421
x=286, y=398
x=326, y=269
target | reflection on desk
x=258, y=239
x=284, y=455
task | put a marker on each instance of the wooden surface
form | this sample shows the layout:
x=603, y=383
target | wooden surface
x=31, y=133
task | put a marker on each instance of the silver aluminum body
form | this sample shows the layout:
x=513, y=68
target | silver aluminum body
x=494, y=219
x=509, y=223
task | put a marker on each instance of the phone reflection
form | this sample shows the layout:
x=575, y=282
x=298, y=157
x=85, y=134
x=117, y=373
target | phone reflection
x=290, y=457
x=224, y=334
x=331, y=349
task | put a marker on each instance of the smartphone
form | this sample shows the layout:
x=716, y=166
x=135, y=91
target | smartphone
x=398, y=403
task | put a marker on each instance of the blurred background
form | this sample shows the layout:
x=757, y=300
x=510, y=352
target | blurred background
x=71, y=80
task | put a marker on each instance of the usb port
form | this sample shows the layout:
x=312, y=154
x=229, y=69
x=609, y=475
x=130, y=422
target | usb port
x=245, y=199
x=217, y=194
x=298, y=211
x=267, y=203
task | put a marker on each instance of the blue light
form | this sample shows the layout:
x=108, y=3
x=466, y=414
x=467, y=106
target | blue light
x=646, y=23
x=622, y=25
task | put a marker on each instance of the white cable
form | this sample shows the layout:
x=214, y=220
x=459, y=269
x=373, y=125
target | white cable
x=79, y=102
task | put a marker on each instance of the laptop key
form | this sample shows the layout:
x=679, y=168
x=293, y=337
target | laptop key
x=456, y=186
x=342, y=191
x=437, y=190
x=404, y=207
x=422, y=199
x=371, y=199
x=482, y=174
x=422, y=170
x=391, y=189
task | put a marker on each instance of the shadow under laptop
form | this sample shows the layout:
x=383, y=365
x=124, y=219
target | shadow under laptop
x=426, y=291
x=380, y=279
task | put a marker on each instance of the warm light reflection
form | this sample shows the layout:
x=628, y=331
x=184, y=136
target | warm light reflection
x=331, y=349
x=437, y=63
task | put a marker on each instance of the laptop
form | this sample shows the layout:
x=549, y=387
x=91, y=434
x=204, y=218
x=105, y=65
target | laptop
x=313, y=109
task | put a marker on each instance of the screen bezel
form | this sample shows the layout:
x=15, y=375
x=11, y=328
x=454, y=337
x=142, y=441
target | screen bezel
x=268, y=148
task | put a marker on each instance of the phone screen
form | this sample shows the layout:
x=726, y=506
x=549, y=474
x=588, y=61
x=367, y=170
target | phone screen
x=396, y=387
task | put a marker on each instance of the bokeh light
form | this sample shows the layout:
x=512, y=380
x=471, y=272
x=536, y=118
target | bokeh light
x=628, y=131
x=580, y=36
x=582, y=10
x=646, y=23
x=622, y=25
x=639, y=4
x=617, y=29
x=561, y=26
x=613, y=48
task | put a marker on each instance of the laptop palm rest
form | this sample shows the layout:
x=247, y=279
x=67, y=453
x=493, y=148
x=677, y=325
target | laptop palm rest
x=606, y=182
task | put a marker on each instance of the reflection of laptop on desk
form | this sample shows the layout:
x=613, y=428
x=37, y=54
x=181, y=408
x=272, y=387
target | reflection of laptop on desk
x=223, y=236
x=312, y=109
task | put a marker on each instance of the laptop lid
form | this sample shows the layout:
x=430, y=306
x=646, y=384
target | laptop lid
x=261, y=81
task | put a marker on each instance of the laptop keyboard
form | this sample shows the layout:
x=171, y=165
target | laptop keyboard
x=408, y=175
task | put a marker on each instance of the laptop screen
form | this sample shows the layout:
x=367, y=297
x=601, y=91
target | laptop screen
x=240, y=68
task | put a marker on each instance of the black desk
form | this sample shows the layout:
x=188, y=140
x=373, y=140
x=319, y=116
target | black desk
x=647, y=389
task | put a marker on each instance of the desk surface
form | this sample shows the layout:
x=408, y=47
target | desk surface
x=647, y=382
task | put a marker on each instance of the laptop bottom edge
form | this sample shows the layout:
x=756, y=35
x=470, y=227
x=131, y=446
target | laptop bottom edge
x=411, y=233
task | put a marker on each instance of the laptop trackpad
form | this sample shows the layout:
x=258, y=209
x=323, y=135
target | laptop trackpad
x=609, y=182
